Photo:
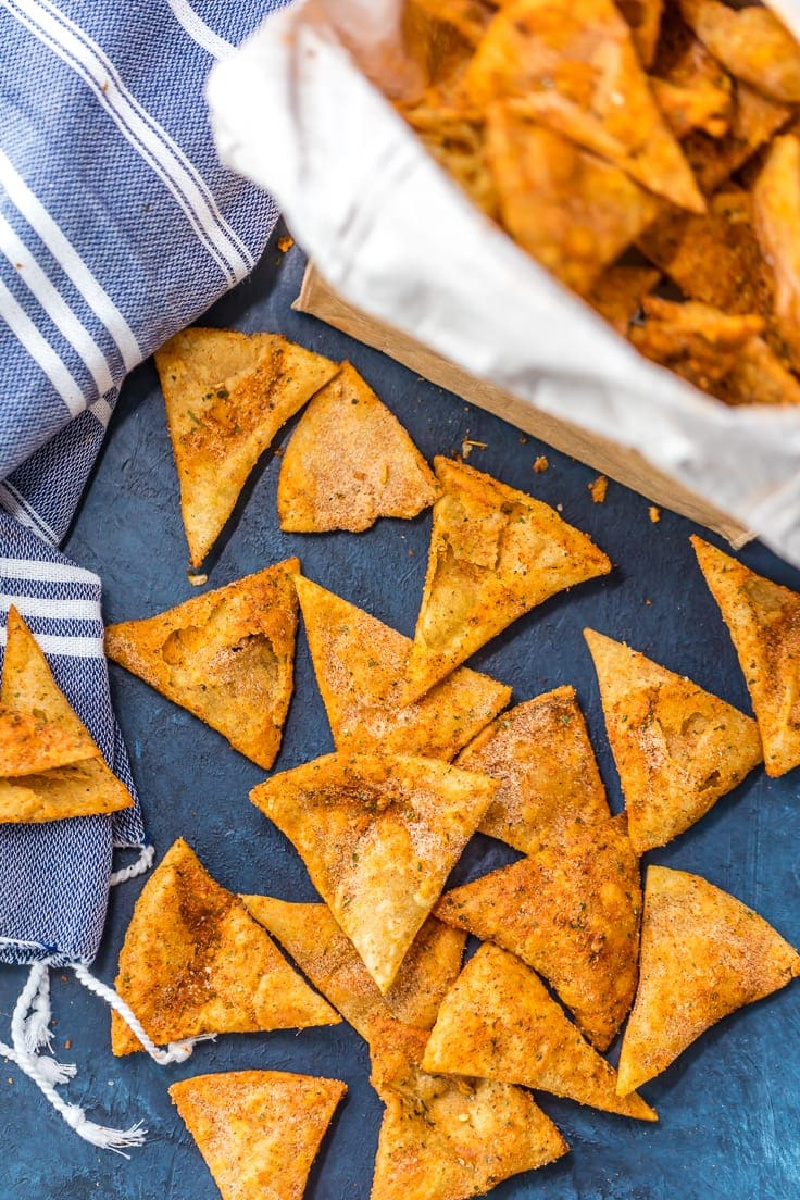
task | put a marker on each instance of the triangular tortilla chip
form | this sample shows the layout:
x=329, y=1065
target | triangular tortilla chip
x=50, y=766
x=495, y=553
x=379, y=837
x=444, y=1139
x=195, y=962
x=763, y=620
x=678, y=749
x=644, y=19
x=330, y=960
x=227, y=394
x=360, y=664
x=227, y=656
x=754, y=120
x=259, y=1131
x=350, y=461
x=571, y=911
x=499, y=1021
x=704, y=954
x=776, y=210
x=751, y=43
x=581, y=53
x=542, y=757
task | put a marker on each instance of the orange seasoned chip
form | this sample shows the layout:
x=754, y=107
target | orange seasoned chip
x=759, y=377
x=348, y=462
x=227, y=394
x=379, y=836
x=445, y=1139
x=498, y=1021
x=360, y=664
x=678, y=749
x=618, y=293
x=644, y=20
x=776, y=211
x=495, y=553
x=571, y=210
x=763, y=620
x=582, y=52
x=330, y=960
x=227, y=656
x=439, y=37
x=696, y=341
x=194, y=962
x=571, y=911
x=259, y=1131
x=704, y=955
x=687, y=108
x=714, y=258
x=754, y=120
x=752, y=43
x=542, y=757
x=50, y=766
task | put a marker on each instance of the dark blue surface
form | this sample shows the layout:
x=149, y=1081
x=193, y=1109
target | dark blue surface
x=730, y=1106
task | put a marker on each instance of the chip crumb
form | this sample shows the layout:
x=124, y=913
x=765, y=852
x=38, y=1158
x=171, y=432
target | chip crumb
x=541, y=464
x=285, y=243
x=560, y=507
x=648, y=602
x=196, y=580
x=68, y=1044
x=655, y=514
x=598, y=489
x=523, y=438
x=468, y=445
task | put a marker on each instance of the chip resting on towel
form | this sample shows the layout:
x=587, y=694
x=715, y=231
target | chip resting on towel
x=542, y=757
x=50, y=766
x=227, y=394
x=763, y=619
x=350, y=461
x=309, y=933
x=360, y=664
x=447, y=1139
x=259, y=1131
x=678, y=749
x=195, y=962
x=571, y=911
x=704, y=954
x=379, y=836
x=227, y=656
x=495, y=553
x=499, y=1021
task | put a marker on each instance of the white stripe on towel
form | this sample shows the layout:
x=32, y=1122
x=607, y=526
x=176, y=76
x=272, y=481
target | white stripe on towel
x=67, y=647
x=46, y=572
x=198, y=31
x=41, y=351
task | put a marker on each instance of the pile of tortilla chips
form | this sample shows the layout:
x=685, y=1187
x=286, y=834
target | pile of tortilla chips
x=633, y=148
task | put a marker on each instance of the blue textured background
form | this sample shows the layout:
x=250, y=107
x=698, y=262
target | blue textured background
x=729, y=1107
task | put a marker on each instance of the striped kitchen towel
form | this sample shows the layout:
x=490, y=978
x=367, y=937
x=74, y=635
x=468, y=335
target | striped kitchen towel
x=118, y=227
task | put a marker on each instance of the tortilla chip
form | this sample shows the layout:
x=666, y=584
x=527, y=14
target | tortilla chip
x=714, y=258
x=758, y=377
x=572, y=211
x=704, y=954
x=445, y=1139
x=753, y=122
x=360, y=663
x=618, y=293
x=776, y=212
x=226, y=656
x=644, y=20
x=379, y=837
x=259, y=1131
x=310, y=934
x=227, y=394
x=541, y=755
x=571, y=911
x=751, y=43
x=682, y=59
x=582, y=51
x=498, y=1021
x=495, y=553
x=195, y=962
x=687, y=108
x=440, y=36
x=700, y=343
x=348, y=462
x=50, y=766
x=763, y=620
x=678, y=749
x=456, y=137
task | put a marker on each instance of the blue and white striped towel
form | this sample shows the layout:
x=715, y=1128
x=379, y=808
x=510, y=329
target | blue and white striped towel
x=118, y=226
